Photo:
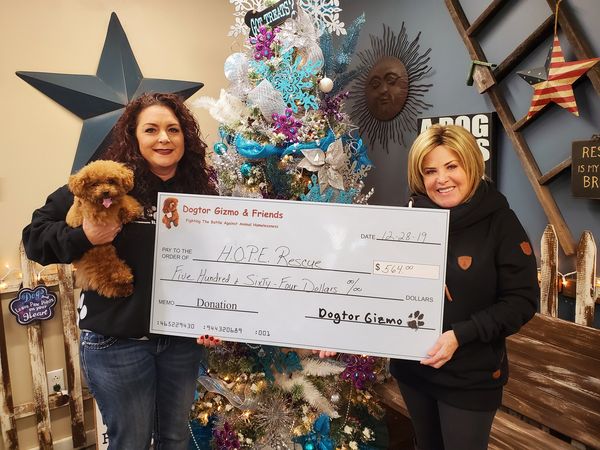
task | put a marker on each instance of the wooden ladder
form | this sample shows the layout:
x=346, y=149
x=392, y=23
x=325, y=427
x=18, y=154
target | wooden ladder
x=487, y=81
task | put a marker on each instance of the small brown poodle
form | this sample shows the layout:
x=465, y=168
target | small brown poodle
x=100, y=190
x=170, y=214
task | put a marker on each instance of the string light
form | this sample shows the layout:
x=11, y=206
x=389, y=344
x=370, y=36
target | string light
x=564, y=277
x=564, y=281
x=38, y=275
x=3, y=283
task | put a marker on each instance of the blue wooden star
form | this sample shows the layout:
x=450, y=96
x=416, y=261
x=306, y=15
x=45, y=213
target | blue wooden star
x=100, y=99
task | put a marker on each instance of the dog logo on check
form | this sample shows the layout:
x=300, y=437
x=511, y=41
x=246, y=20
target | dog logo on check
x=170, y=213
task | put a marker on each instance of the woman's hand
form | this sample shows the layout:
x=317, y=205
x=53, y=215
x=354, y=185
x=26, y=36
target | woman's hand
x=100, y=233
x=324, y=353
x=442, y=351
x=208, y=341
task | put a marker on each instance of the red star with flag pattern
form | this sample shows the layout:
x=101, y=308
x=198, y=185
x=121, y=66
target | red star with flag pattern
x=553, y=82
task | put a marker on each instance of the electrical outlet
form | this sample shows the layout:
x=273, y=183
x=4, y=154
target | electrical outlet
x=56, y=381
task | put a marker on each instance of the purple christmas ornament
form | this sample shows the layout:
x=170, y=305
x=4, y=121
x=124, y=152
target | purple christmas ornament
x=287, y=125
x=332, y=105
x=262, y=43
x=359, y=370
x=226, y=438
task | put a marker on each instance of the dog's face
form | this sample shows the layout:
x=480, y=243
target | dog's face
x=100, y=182
x=170, y=205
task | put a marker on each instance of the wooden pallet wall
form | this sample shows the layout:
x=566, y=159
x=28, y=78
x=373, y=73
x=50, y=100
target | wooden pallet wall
x=43, y=402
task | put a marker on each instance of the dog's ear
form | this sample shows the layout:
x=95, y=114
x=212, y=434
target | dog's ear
x=77, y=184
x=166, y=205
x=175, y=202
x=126, y=177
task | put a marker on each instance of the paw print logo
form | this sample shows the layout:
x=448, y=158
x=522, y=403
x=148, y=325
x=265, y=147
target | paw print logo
x=415, y=320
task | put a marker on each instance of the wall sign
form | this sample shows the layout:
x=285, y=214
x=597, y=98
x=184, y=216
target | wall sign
x=33, y=304
x=272, y=16
x=585, y=169
x=480, y=125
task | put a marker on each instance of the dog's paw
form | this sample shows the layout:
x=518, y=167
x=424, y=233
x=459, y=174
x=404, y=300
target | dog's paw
x=124, y=290
x=117, y=290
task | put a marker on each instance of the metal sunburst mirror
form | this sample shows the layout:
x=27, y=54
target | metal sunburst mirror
x=387, y=96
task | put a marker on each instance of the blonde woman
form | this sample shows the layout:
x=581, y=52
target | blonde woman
x=452, y=395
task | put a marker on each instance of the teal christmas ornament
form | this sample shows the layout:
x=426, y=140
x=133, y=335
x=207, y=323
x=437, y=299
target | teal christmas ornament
x=220, y=148
x=318, y=438
x=293, y=77
x=246, y=169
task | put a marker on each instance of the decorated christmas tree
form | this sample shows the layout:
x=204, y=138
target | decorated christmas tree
x=285, y=135
x=284, y=131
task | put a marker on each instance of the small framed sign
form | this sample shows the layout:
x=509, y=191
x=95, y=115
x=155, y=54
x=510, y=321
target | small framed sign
x=480, y=125
x=585, y=169
x=272, y=16
x=33, y=304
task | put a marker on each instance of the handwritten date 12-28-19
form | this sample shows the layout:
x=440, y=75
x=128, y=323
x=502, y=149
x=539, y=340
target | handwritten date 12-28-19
x=404, y=236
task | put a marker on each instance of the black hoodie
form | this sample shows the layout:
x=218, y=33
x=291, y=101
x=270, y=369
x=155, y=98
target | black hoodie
x=48, y=239
x=491, y=275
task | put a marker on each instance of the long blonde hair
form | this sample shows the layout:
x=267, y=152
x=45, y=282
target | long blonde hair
x=455, y=138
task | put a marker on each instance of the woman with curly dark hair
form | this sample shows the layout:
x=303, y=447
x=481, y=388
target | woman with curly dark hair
x=192, y=173
x=144, y=384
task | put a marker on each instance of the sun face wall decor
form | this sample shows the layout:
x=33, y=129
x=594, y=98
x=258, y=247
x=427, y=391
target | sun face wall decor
x=387, y=96
x=387, y=88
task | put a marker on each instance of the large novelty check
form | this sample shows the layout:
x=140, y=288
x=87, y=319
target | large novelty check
x=350, y=278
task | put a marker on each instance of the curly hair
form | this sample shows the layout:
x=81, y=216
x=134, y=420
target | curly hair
x=193, y=176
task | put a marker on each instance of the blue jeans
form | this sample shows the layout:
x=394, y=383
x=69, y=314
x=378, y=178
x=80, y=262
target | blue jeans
x=144, y=388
